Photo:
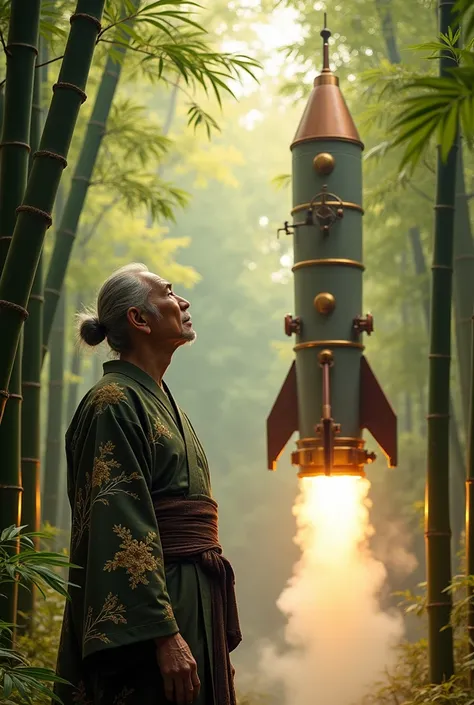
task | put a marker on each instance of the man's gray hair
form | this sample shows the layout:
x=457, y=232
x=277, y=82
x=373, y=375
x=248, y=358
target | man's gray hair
x=125, y=288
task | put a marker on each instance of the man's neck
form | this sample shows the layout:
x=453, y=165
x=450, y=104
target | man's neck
x=155, y=366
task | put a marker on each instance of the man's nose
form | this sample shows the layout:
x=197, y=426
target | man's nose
x=184, y=303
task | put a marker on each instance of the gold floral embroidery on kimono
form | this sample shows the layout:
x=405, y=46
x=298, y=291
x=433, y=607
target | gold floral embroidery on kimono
x=136, y=556
x=158, y=431
x=112, y=611
x=107, y=394
x=108, y=486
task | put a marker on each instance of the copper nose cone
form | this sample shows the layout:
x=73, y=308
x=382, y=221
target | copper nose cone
x=326, y=116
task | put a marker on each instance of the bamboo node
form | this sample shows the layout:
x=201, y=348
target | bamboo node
x=446, y=534
x=36, y=461
x=85, y=16
x=84, y=179
x=4, y=393
x=51, y=155
x=440, y=356
x=37, y=297
x=6, y=237
x=72, y=87
x=36, y=211
x=53, y=291
x=23, y=44
x=31, y=384
x=438, y=604
x=14, y=307
x=15, y=143
x=442, y=266
x=11, y=487
x=97, y=123
x=16, y=396
x=444, y=205
x=438, y=416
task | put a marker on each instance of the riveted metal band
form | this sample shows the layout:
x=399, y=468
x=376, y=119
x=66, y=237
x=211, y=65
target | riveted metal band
x=344, y=204
x=349, y=457
x=331, y=261
x=328, y=343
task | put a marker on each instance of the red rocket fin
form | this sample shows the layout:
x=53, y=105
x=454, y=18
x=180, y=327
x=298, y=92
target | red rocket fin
x=283, y=419
x=376, y=413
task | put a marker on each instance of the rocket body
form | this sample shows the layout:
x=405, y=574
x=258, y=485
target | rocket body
x=330, y=394
x=320, y=266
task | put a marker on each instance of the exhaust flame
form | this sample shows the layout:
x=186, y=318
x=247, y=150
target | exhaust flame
x=338, y=640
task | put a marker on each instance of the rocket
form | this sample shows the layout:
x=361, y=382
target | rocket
x=330, y=393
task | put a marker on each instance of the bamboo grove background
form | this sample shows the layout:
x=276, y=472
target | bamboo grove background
x=159, y=172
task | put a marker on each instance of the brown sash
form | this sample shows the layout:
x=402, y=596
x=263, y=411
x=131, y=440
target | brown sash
x=189, y=531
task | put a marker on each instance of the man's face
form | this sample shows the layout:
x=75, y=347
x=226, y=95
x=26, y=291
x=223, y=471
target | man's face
x=174, y=325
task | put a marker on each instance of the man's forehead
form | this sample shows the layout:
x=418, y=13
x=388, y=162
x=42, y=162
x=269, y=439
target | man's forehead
x=158, y=281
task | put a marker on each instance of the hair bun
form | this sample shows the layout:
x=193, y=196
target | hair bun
x=92, y=331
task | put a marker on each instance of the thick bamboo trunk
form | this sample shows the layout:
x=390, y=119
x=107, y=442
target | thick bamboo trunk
x=463, y=284
x=31, y=375
x=68, y=226
x=34, y=215
x=54, y=438
x=21, y=53
x=457, y=476
x=470, y=510
x=438, y=530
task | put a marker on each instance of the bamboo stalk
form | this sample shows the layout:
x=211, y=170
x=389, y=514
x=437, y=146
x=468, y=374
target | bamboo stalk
x=469, y=512
x=456, y=454
x=34, y=215
x=463, y=284
x=21, y=52
x=31, y=376
x=54, y=438
x=438, y=531
x=70, y=219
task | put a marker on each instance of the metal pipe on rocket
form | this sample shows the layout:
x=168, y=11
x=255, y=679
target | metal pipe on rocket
x=330, y=393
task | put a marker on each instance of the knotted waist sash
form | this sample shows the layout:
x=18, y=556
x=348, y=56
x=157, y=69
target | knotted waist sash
x=189, y=531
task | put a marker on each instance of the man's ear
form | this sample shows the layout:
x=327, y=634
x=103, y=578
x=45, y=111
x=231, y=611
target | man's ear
x=137, y=320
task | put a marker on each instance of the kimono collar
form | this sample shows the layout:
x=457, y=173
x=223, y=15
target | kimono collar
x=128, y=369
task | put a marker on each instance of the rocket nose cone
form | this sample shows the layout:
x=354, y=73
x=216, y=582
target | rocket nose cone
x=326, y=116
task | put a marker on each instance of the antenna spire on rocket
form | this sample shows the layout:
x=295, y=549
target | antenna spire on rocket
x=325, y=34
x=326, y=115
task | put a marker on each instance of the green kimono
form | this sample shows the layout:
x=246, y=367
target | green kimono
x=128, y=444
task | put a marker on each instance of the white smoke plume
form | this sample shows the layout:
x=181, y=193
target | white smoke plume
x=337, y=639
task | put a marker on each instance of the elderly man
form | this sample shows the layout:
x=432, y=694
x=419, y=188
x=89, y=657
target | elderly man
x=153, y=617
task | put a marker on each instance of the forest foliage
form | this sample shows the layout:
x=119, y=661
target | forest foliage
x=185, y=182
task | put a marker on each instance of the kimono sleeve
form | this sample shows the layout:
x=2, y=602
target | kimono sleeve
x=123, y=584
